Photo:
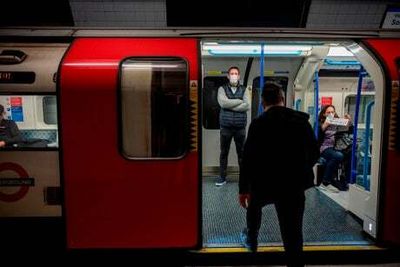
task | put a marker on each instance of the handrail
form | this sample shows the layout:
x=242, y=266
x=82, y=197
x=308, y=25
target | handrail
x=297, y=104
x=367, y=183
x=12, y=57
x=354, y=147
x=316, y=101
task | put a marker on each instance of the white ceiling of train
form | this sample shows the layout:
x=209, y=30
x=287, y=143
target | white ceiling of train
x=324, y=14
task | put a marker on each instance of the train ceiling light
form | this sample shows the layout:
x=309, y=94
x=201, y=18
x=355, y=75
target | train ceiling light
x=255, y=49
x=339, y=51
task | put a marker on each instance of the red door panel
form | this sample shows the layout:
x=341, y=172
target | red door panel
x=112, y=202
x=389, y=51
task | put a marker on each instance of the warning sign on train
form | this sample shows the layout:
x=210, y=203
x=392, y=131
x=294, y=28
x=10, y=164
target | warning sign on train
x=23, y=181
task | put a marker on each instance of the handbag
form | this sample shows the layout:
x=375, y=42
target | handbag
x=343, y=141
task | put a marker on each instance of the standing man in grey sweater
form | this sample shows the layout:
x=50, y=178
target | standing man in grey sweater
x=234, y=102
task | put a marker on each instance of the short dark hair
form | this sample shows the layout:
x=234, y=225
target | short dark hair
x=233, y=68
x=1, y=109
x=272, y=94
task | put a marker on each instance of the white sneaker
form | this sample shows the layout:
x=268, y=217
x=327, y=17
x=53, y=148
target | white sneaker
x=329, y=188
x=220, y=181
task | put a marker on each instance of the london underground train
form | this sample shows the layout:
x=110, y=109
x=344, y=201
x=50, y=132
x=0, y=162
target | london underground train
x=121, y=134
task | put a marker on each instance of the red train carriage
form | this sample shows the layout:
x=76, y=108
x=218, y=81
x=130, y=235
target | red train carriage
x=125, y=124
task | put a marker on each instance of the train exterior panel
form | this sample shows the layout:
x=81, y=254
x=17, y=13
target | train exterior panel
x=389, y=51
x=112, y=201
x=30, y=176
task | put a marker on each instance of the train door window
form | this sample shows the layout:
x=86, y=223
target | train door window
x=50, y=110
x=211, y=107
x=154, y=107
x=364, y=146
x=36, y=119
x=281, y=81
x=350, y=104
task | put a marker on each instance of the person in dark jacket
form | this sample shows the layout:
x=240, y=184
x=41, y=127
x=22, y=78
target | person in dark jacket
x=234, y=102
x=9, y=132
x=278, y=157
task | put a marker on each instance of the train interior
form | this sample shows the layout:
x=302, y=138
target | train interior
x=342, y=73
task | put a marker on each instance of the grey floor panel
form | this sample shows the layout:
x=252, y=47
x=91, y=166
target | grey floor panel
x=325, y=222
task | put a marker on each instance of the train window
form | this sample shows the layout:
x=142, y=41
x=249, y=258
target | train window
x=211, y=107
x=154, y=107
x=49, y=110
x=281, y=81
x=350, y=104
x=36, y=119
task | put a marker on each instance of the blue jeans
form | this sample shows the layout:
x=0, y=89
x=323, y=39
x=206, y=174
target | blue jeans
x=333, y=159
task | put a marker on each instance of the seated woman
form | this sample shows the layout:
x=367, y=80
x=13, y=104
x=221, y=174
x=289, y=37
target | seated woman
x=327, y=140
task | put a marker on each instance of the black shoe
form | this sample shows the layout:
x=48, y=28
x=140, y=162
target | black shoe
x=342, y=186
x=220, y=181
x=249, y=243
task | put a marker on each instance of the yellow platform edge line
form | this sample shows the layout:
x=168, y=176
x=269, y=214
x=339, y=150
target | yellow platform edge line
x=280, y=249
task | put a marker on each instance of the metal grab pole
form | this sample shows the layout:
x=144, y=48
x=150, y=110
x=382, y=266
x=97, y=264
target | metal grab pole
x=354, y=147
x=297, y=104
x=260, y=107
x=366, y=146
x=316, y=103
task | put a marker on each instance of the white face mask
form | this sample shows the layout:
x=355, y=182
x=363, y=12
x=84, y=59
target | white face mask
x=331, y=116
x=233, y=79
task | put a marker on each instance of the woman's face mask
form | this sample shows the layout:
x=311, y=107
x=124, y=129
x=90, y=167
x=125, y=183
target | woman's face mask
x=330, y=115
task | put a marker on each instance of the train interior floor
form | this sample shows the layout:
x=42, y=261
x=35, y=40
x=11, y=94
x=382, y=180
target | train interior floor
x=325, y=221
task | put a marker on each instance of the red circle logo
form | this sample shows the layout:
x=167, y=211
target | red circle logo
x=23, y=190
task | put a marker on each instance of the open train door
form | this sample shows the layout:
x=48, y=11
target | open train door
x=129, y=134
x=388, y=51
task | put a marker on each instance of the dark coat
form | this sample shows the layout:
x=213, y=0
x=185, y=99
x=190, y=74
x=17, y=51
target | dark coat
x=279, y=154
x=9, y=132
